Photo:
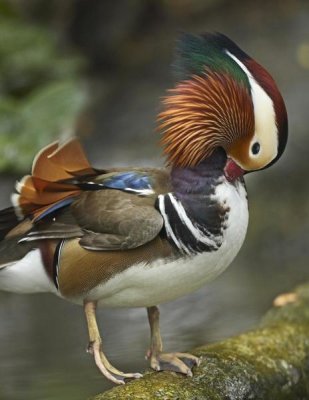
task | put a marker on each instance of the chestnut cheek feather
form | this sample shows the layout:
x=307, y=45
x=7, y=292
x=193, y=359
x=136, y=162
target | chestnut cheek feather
x=232, y=171
x=207, y=111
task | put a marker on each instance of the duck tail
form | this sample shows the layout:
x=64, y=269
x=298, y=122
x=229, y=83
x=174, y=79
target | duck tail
x=48, y=187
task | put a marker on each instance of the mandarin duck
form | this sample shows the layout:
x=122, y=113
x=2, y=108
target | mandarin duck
x=138, y=237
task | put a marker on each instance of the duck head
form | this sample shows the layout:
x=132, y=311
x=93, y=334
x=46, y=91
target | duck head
x=225, y=99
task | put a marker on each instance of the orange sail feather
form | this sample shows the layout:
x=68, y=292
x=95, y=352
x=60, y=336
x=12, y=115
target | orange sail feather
x=46, y=187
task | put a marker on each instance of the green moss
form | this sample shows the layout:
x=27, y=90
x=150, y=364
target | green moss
x=271, y=362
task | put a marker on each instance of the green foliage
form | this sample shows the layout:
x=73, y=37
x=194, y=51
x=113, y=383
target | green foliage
x=28, y=124
x=39, y=91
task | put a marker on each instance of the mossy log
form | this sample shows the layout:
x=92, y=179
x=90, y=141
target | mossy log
x=268, y=363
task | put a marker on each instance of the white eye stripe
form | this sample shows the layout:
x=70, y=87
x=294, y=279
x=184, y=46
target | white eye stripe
x=266, y=130
x=242, y=66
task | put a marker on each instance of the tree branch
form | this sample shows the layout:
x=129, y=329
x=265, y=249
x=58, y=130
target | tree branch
x=270, y=362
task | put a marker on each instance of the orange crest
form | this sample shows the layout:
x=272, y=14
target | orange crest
x=203, y=113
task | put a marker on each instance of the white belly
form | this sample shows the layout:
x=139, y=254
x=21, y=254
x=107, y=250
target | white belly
x=147, y=285
x=27, y=275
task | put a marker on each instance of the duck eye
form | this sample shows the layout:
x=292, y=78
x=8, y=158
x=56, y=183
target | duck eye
x=255, y=149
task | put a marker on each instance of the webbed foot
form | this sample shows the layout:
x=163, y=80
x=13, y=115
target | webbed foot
x=177, y=362
x=95, y=348
x=159, y=361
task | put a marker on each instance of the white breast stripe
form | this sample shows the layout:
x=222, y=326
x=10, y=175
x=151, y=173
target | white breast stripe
x=168, y=227
x=196, y=232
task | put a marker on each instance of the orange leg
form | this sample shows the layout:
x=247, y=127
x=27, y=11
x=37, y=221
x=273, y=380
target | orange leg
x=95, y=348
x=159, y=361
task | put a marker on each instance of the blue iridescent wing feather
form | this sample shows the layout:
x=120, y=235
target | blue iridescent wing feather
x=129, y=181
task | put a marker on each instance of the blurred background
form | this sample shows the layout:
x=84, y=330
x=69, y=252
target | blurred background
x=98, y=69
